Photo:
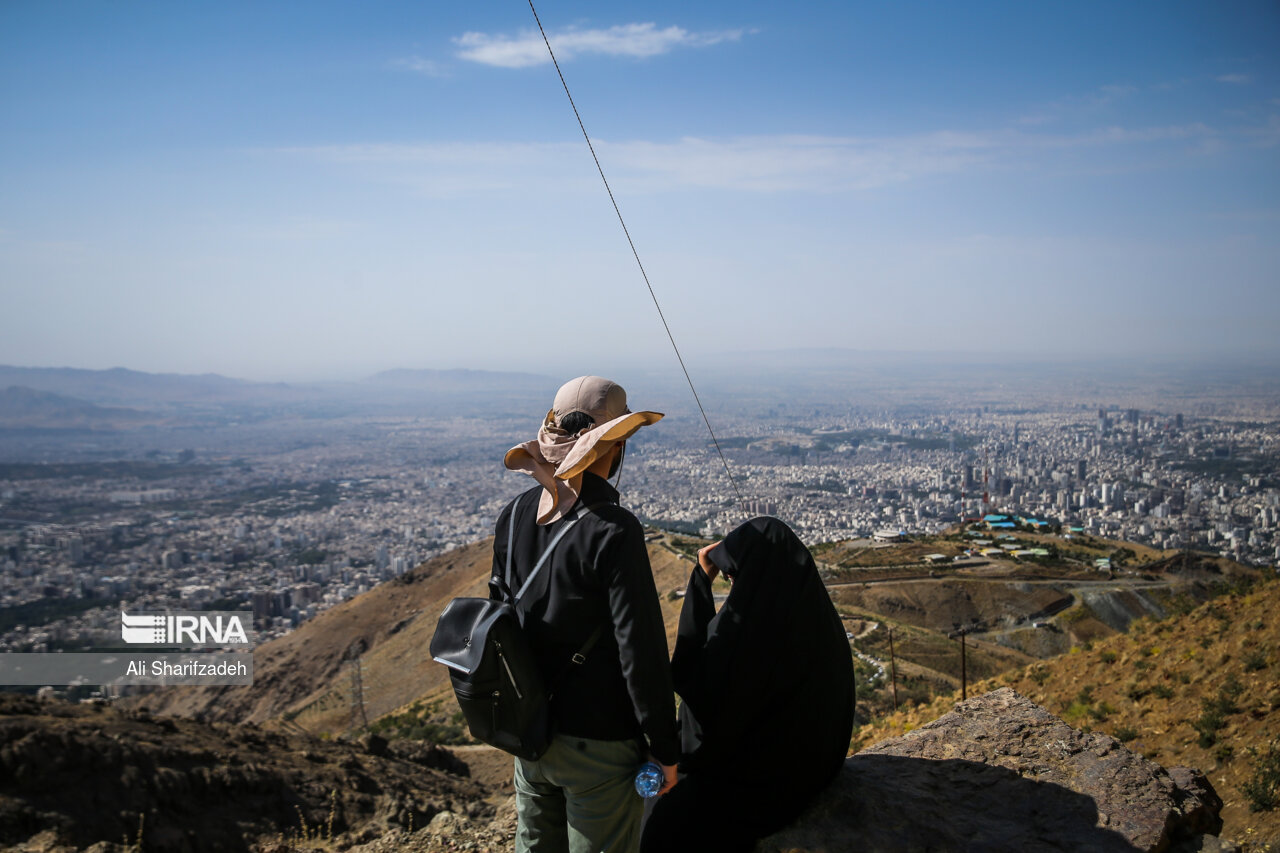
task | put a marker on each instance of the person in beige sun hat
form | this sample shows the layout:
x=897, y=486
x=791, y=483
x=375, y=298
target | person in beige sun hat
x=591, y=613
x=567, y=446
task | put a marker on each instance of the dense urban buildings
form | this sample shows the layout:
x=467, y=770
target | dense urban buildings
x=290, y=520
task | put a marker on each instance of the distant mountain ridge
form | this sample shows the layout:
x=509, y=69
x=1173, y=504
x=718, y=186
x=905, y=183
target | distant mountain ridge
x=26, y=407
x=463, y=380
x=120, y=385
x=192, y=396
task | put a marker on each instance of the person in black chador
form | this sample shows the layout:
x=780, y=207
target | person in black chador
x=767, y=695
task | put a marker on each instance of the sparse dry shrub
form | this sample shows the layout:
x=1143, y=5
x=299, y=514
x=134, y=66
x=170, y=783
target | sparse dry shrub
x=1214, y=712
x=1101, y=711
x=1262, y=789
x=1254, y=660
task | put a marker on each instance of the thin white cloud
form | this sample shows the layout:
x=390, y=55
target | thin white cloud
x=1120, y=135
x=795, y=163
x=1103, y=96
x=1113, y=92
x=633, y=40
x=1268, y=135
x=429, y=67
x=751, y=164
x=758, y=164
x=459, y=169
x=1235, y=79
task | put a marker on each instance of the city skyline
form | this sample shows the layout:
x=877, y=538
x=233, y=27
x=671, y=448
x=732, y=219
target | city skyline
x=305, y=192
x=269, y=513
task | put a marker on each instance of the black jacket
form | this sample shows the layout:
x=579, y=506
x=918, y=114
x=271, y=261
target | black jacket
x=599, y=572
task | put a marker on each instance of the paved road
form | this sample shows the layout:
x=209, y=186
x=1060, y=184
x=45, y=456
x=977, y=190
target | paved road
x=1063, y=582
x=875, y=663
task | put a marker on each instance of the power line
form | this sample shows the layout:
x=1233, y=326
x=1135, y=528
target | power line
x=733, y=483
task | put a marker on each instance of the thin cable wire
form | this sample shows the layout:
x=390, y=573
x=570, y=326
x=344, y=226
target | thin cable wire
x=636, y=255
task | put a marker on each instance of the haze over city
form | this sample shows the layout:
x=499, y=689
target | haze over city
x=305, y=191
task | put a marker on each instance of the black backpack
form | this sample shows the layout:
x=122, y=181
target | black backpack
x=491, y=664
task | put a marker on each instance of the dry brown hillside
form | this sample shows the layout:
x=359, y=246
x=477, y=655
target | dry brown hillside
x=306, y=677
x=1199, y=689
x=1014, y=613
x=429, y=701
x=85, y=777
x=290, y=669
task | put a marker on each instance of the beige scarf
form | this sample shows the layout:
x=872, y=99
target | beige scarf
x=557, y=460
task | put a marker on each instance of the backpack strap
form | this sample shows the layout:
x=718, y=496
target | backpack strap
x=579, y=657
x=501, y=583
x=564, y=528
x=511, y=539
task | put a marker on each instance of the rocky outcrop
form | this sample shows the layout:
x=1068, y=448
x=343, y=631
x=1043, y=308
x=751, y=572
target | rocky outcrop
x=75, y=776
x=1000, y=773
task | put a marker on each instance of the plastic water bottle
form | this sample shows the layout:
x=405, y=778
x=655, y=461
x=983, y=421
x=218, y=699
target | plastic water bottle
x=649, y=780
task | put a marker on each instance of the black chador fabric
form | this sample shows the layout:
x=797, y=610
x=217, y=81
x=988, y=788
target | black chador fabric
x=766, y=688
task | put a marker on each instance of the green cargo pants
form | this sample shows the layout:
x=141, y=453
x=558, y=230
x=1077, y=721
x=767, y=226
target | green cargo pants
x=580, y=797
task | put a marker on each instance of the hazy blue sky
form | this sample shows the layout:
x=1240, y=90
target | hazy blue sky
x=315, y=189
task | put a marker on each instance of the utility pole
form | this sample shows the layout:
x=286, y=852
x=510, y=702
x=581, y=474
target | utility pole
x=357, y=696
x=962, y=632
x=893, y=667
x=986, y=470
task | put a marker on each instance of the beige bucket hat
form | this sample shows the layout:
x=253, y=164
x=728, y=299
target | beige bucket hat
x=557, y=459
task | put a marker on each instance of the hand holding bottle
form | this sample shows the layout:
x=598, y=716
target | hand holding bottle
x=654, y=779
